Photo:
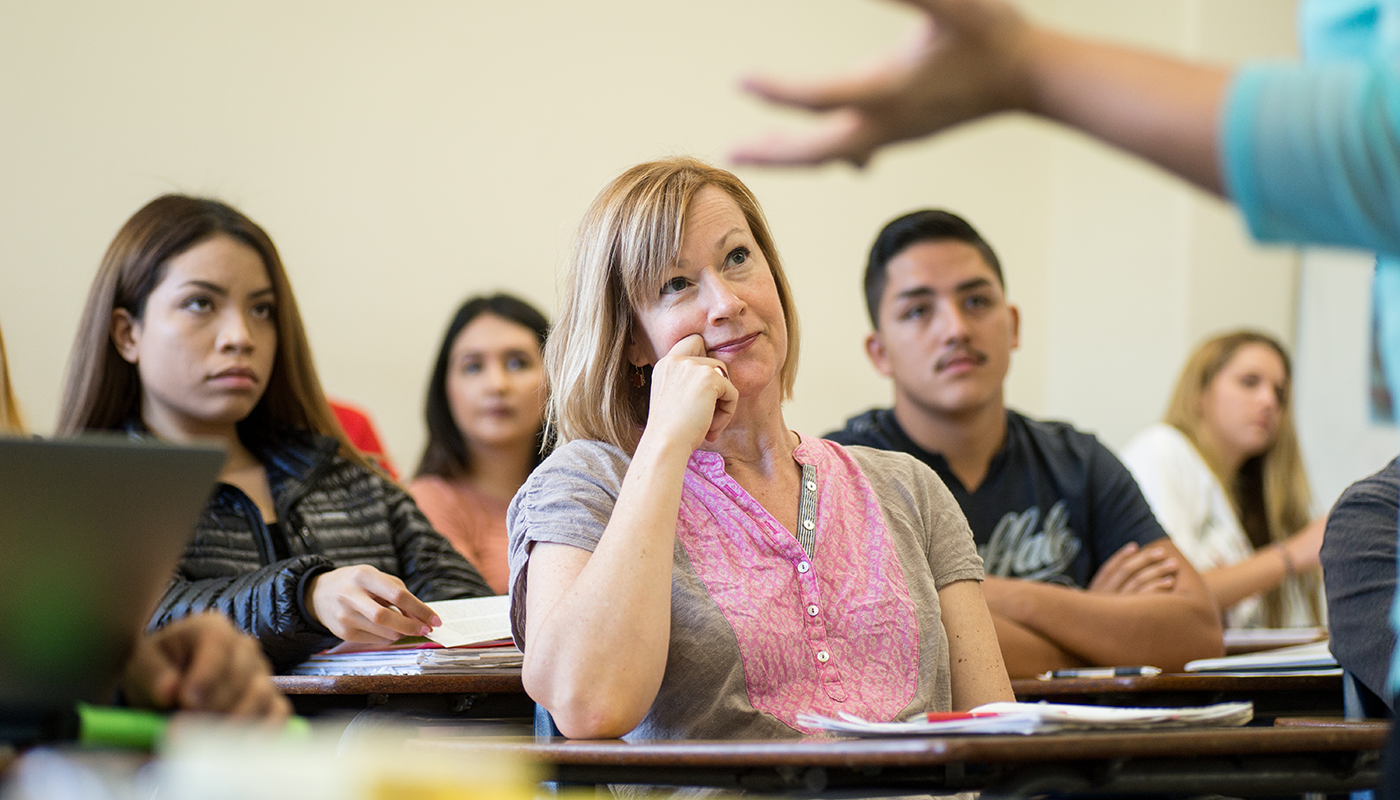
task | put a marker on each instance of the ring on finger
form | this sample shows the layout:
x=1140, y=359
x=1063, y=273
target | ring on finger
x=721, y=372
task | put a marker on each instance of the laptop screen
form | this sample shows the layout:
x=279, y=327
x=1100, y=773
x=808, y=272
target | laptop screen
x=91, y=530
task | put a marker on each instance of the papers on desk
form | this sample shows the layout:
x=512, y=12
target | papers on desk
x=475, y=634
x=411, y=658
x=1028, y=718
x=1307, y=659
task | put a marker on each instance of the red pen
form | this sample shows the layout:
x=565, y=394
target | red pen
x=947, y=716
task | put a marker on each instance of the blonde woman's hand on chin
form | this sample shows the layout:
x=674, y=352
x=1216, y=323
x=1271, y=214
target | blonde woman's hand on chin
x=362, y=604
x=692, y=399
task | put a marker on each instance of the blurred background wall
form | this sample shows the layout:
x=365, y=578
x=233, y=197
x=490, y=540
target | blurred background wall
x=404, y=156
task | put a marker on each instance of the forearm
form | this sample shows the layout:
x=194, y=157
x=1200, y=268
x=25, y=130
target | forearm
x=1156, y=107
x=1163, y=630
x=978, y=673
x=1027, y=653
x=596, y=650
x=1260, y=572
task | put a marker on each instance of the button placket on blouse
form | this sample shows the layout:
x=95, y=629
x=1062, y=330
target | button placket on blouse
x=810, y=589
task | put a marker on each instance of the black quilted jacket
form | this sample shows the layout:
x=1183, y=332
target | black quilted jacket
x=332, y=513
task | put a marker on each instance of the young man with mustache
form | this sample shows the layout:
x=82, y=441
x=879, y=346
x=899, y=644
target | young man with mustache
x=1079, y=572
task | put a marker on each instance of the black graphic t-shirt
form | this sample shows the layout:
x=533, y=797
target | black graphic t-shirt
x=1055, y=503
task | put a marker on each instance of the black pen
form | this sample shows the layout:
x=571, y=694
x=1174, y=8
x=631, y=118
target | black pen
x=1101, y=672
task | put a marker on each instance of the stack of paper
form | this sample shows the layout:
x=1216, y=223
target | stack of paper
x=1307, y=659
x=411, y=659
x=1027, y=718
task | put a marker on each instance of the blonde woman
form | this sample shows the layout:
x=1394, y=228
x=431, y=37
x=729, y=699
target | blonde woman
x=686, y=566
x=1224, y=475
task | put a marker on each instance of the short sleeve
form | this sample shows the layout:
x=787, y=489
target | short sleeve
x=1120, y=514
x=1311, y=154
x=916, y=503
x=568, y=500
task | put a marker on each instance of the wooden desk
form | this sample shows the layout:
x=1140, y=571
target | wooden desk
x=1273, y=695
x=1233, y=761
x=499, y=693
x=489, y=693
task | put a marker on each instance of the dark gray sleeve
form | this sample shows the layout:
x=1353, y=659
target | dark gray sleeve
x=1358, y=565
x=264, y=603
x=431, y=568
x=1118, y=512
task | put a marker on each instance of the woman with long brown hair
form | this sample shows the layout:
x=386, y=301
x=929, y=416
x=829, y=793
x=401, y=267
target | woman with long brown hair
x=1224, y=475
x=485, y=413
x=191, y=332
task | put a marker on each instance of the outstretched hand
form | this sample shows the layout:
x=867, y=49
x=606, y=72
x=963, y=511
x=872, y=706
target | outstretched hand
x=1136, y=570
x=966, y=60
x=691, y=396
x=362, y=604
x=203, y=663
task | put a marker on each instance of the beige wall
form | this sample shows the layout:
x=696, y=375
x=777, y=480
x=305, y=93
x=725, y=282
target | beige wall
x=405, y=155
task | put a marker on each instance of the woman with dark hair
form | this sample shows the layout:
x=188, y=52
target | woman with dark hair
x=485, y=414
x=191, y=332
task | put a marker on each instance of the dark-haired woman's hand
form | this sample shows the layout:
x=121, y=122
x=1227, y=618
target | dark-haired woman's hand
x=691, y=396
x=362, y=604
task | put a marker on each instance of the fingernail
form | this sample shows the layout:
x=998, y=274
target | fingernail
x=424, y=631
x=435, y=621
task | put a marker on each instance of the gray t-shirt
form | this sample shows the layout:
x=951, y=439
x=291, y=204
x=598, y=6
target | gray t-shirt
x=764, y=626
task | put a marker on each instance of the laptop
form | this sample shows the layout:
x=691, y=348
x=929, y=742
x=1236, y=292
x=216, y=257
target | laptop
x=91, y=530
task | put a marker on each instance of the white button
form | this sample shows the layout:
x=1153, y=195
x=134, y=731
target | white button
x=803, y=567
x=811, y=486
x=823, y=656
x=812, y=611
x=808, y=524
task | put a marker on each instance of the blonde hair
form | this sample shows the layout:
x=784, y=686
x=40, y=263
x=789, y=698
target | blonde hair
x=1269, y=493
x=628, y=240
x=103, y=391
x=10, y=420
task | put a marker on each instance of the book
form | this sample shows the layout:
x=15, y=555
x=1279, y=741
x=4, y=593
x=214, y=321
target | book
x=1034, y=718
x=1306, y=659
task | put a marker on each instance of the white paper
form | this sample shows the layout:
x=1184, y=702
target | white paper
x=1027, y=718
x=471, y=620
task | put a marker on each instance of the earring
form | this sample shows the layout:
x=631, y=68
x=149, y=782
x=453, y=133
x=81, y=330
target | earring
x=639, y=377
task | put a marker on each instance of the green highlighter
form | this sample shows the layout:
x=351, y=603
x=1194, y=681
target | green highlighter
x=138, y=729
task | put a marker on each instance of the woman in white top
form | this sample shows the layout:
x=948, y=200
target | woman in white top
x=1224, y=476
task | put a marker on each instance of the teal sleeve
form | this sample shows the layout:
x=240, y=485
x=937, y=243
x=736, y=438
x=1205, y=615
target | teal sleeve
x=1311, y=154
